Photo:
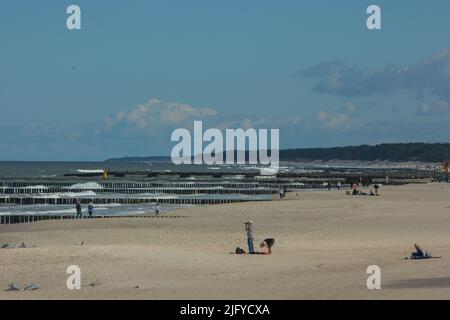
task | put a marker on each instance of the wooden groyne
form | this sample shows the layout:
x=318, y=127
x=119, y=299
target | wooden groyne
x=19, y=219
x=151, y=187
x=116, y=184
x=117, y=199
x=137, y=191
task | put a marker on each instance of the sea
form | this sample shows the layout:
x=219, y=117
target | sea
x=23, y=170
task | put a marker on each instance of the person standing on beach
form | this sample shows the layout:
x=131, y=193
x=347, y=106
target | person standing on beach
x=157, y=209
x=282, y=192
x=249, y=229
x=91, y=209
x=78, y=208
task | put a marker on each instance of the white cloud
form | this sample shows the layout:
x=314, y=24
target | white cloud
x=334, y=120
x=438, y=107
x=52, y=131
x=157, y=114
x=349, y=107
x=428, y=78
x=258, y=122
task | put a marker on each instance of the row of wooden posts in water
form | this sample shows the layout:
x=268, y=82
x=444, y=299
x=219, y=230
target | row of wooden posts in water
x=18, y=219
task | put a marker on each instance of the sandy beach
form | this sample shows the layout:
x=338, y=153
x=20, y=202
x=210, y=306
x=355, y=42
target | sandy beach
x=324, y=243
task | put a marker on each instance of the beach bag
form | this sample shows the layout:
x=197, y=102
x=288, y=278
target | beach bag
x=240, y=251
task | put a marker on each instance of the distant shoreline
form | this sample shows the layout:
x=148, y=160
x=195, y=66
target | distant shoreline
x=390, y=152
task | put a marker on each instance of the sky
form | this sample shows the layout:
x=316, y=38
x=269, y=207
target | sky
x=137, y=70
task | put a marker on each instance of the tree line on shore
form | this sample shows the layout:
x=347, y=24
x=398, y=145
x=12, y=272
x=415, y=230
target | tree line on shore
x=426, y=152
x=396, y=152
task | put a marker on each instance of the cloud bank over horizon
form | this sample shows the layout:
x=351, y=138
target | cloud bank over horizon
x=428, y=80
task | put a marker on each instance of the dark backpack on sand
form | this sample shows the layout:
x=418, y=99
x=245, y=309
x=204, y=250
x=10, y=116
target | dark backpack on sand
x=240, y=251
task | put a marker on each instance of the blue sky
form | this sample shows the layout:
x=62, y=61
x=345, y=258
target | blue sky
x=139, y=69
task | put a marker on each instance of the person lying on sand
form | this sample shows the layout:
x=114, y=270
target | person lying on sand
x=267, y=243
x=419, y=254
x=356, y=192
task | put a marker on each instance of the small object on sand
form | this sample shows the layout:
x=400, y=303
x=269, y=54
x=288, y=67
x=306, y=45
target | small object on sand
x=82, y=242
x=95, y=284
x=13, y=287
x=136, y=287
x=16, y=246
x=10, y=246
x=32, y=287
x=239, y=251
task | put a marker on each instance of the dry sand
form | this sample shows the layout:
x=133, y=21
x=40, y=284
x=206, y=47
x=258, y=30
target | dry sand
x=324, y=243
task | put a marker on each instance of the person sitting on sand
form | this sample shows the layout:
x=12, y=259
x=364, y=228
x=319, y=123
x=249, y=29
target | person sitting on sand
x=267, y=243
x=376, y=189
x=418, y=254
x=355, y=189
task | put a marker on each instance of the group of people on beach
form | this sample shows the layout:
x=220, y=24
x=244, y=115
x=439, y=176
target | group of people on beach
x=330, y=185
x=91, y=209
x=356, y=191
x=267, y=243
x=80, y=211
